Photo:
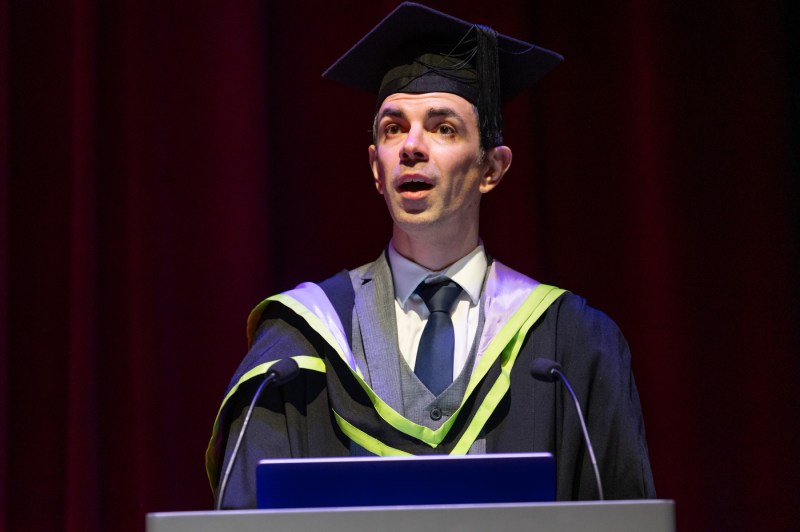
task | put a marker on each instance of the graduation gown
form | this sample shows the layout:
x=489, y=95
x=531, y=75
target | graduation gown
x=330, y=404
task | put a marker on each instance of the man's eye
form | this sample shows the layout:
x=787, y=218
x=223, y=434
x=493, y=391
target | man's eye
x=391, y=129
x=445, y=129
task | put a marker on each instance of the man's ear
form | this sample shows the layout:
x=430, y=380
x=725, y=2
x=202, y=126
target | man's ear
x=497, y=162
x=373, y=164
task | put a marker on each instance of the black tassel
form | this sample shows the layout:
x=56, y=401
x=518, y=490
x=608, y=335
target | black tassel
x=487, y=63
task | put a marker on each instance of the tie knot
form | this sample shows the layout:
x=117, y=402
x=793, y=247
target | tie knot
x=439, y=296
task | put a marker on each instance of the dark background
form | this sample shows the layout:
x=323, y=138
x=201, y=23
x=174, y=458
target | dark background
x=167, y=164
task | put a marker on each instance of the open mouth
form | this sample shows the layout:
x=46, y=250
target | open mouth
x=415, y=186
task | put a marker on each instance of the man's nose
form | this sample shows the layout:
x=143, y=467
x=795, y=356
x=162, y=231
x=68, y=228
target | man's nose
x=414, y=147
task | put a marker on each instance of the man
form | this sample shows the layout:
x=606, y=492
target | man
x=428, y=349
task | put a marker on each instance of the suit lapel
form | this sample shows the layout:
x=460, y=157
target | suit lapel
x=375, y=312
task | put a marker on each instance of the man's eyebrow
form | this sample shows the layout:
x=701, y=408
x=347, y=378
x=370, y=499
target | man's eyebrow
x=444, y=112
x=393, y=112
x=433, y=112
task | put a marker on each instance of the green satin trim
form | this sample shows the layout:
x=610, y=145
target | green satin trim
x=506, y=343
x=366, y=441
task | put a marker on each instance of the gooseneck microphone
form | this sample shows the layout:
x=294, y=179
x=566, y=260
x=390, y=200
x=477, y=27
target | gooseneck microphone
x=279, y=374
x=547, y=370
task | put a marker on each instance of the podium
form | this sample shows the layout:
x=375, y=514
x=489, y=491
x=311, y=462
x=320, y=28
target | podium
x=595, y=516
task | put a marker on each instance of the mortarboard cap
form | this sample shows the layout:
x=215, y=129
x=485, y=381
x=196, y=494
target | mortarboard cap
x=416, y=49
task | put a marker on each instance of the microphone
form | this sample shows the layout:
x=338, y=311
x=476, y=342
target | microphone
x=547, y=370
x=279, y=374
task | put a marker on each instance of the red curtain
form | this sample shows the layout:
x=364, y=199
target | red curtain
x=166, y=165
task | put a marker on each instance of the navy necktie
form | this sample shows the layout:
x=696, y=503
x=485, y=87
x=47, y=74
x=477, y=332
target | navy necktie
x=434, y=366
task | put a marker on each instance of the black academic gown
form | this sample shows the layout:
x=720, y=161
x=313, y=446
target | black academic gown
x=296, y=420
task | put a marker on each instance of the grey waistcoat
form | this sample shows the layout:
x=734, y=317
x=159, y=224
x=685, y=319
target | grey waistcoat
x=376, y=350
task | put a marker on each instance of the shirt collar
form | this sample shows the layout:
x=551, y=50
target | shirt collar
x=469, y=272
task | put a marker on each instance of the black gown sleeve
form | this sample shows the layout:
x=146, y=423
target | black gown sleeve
x=596, y=359
x=292, y=420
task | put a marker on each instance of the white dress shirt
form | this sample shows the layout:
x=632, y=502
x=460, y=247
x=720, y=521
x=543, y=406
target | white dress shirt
x=412, y=314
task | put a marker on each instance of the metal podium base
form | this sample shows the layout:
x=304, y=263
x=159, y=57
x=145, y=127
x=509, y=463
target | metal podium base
x=608, y=516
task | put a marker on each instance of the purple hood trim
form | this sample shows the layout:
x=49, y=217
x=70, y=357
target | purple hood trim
x=504, y=293
x=314, y=299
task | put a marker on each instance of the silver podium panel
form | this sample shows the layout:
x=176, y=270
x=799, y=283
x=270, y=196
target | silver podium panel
x=608, y=516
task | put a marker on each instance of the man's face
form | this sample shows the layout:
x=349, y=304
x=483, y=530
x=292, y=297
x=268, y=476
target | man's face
x=426, y=162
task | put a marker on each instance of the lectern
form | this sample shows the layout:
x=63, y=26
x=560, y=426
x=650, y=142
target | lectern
x=608, y=516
